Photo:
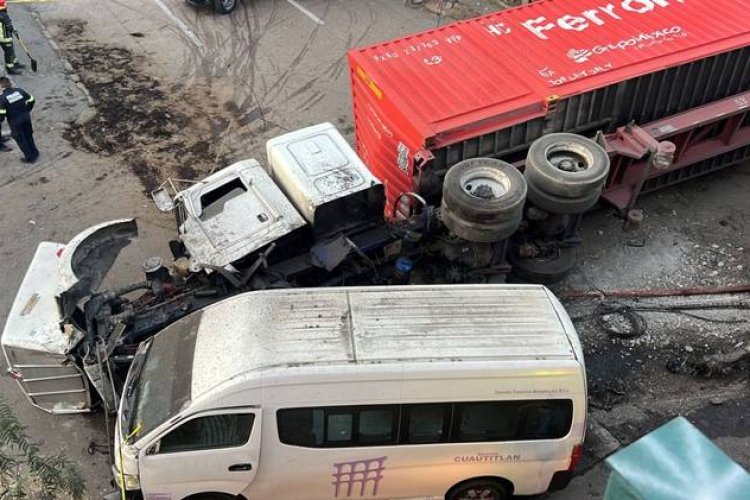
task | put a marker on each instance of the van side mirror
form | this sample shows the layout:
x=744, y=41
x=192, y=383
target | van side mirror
x=153, y=449
x=162, y=199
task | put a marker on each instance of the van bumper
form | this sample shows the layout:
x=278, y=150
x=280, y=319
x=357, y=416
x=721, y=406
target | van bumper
x=560, y=480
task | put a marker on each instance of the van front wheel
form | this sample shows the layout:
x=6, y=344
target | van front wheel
x=211, y=496
x=479, y=489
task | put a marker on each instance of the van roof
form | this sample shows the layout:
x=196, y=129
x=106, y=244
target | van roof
x=308, y=328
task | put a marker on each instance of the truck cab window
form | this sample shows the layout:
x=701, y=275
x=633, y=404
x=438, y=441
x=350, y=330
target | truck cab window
x=205, y=433
x=212, y=203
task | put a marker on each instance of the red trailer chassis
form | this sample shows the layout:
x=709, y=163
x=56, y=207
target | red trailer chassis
x=674, y=149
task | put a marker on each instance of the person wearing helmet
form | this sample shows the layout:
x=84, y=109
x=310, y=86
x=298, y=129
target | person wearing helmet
x=12, y=66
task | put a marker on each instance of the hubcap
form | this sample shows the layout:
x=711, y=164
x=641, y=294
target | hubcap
x=478, y=494
x=569, y=158
x=480, y=185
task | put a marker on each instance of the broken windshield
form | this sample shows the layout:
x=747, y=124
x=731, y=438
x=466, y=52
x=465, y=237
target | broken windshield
x=163, y=387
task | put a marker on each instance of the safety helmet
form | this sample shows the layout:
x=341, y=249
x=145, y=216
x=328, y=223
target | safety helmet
x=2, y=5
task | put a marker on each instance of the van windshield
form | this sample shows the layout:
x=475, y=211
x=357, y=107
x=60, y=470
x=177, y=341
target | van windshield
x=160, y=381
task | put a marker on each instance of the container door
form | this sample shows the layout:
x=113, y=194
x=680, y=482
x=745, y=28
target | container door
x=209, y=452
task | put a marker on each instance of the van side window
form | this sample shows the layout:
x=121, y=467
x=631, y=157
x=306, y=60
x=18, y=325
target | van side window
x=339, y=426
x=485, y=422
x=376, y=426
x=204, y=433
x=425, y=423
x=428, y=423
x=545, y=419
x=301, y=426
x=512, y=420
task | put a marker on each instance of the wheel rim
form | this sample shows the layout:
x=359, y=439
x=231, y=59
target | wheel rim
x=569, y=158
x=228, y=4
x=541, y=255
x=478, y=494
x=486, y=187
x=549, y=255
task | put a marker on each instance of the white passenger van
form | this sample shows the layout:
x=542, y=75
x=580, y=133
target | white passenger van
x=463, y=391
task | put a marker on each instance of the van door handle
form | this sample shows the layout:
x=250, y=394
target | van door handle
x=237, y=467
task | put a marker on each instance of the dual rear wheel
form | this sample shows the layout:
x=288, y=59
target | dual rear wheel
x=565, y=173
x=484, y=198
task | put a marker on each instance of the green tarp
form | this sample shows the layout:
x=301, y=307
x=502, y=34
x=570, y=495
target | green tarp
x=675, y=462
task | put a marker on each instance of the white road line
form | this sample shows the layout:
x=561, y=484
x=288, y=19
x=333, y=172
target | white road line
x=306, y=12
x=183, y=27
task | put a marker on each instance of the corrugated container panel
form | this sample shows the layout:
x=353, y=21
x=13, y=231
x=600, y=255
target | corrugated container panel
x=493, y=84
x=643, y=99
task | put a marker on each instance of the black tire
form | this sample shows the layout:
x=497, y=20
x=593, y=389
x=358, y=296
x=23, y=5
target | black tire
x=225, y=6
x=543, y=270
x=561, y=205
x=567, y=165
x=484, y=190
x=479, y=232
x=177, y=248
x=211, y=496
x=479, y=489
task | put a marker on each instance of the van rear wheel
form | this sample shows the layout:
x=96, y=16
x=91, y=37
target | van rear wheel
x=479, y=489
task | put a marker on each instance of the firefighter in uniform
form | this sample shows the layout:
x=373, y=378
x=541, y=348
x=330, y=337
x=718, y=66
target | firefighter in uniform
x=6, y=41
x=15, y=106
x=3, y=147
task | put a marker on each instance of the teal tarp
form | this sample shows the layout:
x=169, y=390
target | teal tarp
x=675, y=462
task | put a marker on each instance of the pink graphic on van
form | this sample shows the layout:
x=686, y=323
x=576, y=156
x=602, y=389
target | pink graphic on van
x=351, y=479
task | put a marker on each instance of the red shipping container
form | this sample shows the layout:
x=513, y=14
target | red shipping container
x=489, y=86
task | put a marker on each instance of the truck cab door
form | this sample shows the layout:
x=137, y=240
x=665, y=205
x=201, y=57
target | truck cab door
x=208, y=452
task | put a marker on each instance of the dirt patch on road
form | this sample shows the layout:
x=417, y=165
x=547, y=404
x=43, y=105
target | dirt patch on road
x=158, y=132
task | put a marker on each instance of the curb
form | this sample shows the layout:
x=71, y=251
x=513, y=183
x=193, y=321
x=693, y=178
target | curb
x=67, y=67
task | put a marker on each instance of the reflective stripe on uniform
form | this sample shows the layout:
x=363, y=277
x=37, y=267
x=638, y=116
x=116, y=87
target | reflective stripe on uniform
x=4, y=38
